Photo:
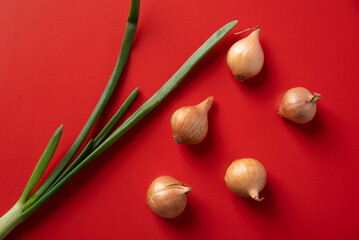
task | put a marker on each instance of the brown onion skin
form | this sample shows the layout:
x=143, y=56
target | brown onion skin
x=167, y=196
x=190, y=124
x=246, y=177
x=299, y=105
x=245, y=58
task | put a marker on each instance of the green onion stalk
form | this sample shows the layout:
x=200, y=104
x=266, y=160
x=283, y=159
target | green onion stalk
x=68, y=167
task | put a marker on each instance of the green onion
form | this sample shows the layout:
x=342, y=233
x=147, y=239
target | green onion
x=16, y=214
x=61, y=175
x=139, y=114
x=120, y=65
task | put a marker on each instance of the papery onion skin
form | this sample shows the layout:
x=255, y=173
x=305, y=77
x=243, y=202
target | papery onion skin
x=167, y=196
x=299, y=105
x=190, y=124
x=246, y=177
x=245, y=58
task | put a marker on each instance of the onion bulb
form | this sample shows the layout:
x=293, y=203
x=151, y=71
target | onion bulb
x=167, y=196
x=246, y=177
x=245, y=58
x=299, y=105
x=190, y=124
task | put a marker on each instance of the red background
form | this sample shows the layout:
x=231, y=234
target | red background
x=56, y=58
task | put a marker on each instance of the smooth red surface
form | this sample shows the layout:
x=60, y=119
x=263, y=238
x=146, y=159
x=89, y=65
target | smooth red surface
x=56, y=58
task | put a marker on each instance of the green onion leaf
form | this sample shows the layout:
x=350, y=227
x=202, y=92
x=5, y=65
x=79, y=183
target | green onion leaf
x=42, y=164
x=115, y=119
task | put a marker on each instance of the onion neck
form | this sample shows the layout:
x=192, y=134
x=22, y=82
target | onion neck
x=248, y=29
x=186, y=189
x=316, y=97
x=254, y=195
x=206, y=104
